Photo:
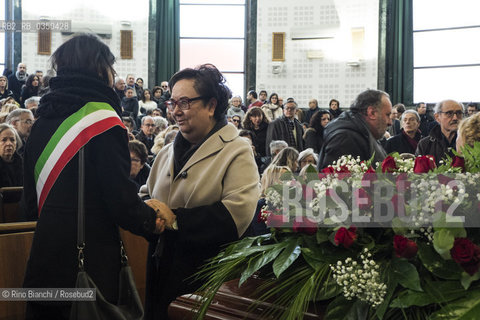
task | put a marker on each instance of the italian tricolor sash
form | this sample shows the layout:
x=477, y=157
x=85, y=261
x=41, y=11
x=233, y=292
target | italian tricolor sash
x=91, y=120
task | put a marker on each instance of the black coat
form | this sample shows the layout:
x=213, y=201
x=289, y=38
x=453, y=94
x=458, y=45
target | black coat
x=399, y=143
x=130, y=105
x=278, y=130
x=111, y=199
x=147, y=142
x=7, y=93
x=436, y=145
x=15, y=85
x=313, y=139
x=260, y=139
x=11, y=173
x=349, y=135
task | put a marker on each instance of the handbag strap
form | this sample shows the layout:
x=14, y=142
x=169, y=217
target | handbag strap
x=81, y=215
x=81, y=208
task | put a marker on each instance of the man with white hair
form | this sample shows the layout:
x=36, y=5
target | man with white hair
x=32, y=102
x=442, y=138
x=17, y=80
x=146, y=134
x=119, y=87
x=22, y=120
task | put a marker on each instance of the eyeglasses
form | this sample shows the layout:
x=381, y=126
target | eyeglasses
x=28, y=121
x=236, y=120
x=450, y=114
x=183, y=103
x=149, y=125
x=164, y=86
x=135, y=160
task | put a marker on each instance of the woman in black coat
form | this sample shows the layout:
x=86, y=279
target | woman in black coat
x=314, y=135
x=256, y=121
x=11, y=163
x=82, y=93
x=30, y=89
x=407, y=140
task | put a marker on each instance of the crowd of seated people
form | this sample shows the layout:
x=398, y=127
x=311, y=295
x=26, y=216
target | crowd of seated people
x=278, y=132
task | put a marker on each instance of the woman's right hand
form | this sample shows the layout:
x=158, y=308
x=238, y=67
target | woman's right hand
x=163, y=212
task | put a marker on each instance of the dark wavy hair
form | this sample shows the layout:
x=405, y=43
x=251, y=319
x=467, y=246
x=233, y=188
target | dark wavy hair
x=255, y=111
x=139, y=149
x=87, y=54
x=209, y=83
x=143, y=95
x=316, y=120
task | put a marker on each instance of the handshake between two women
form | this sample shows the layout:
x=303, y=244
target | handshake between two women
x=165, y=216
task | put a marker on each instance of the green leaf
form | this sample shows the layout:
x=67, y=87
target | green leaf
x=391, y=286
x=406, y=274
x=344, y=309
x=445, y=269
x=328, y=290
x=443, y=242
x=287, y=257
x=322, y=235
x=467, y=279
x=312, y=258
x=258, y=262
x=467, y=308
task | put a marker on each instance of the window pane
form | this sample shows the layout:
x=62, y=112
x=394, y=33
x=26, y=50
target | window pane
x=235, y=83
x=433, y=85
x=226, y=55
x=449, y=47
x=431, y=14
x=212, y=21
x=213, y=1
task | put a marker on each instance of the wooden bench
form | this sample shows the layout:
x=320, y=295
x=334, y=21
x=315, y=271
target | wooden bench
x=10, y=204
x=15, y=243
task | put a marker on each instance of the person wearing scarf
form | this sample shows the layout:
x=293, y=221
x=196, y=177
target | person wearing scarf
x=407, y=140
x=208, y=181
x=80, y=110
x=17, y=80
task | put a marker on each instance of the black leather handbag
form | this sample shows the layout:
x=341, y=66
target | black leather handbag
x=129, y=305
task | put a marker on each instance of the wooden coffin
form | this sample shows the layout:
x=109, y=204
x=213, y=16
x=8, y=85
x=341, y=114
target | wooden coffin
x=231, y=303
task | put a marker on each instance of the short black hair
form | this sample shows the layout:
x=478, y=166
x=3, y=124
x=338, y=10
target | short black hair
x=369, y=97
x=209, y=83
x=253, y=93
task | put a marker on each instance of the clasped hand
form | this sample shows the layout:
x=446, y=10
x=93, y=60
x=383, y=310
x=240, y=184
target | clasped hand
x=165, y=216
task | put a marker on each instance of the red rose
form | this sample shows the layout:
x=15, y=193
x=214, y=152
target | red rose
x=346, y=236
x=276, y=221
x=404, y=248
x=343, y=172
x=424, y=164
x=389, y=165
x=458, y=162
x=466, y=254
x=326, y=172
x=362, y=194
x=305, y=225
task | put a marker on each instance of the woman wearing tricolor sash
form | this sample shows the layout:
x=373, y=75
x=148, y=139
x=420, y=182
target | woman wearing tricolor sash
x=80, y=111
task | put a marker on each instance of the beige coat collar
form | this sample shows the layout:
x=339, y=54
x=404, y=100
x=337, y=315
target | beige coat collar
x=213, y=144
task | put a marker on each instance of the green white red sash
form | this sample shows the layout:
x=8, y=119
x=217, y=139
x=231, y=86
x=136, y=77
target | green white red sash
x=91, y=120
